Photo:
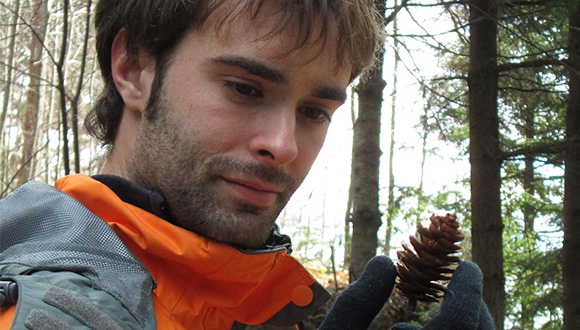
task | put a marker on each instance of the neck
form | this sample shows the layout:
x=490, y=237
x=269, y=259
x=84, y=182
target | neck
x=118, y=159
x=115, y=165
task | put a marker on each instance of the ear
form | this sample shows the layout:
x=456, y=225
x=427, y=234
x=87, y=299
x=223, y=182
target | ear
x=133, y=75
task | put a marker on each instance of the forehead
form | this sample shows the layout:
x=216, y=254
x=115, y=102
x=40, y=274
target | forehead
x=292, y=28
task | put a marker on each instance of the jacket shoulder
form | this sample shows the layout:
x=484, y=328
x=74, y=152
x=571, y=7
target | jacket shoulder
x=55, y=249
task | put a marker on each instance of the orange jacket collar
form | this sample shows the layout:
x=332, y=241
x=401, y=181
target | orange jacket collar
x=200, y=283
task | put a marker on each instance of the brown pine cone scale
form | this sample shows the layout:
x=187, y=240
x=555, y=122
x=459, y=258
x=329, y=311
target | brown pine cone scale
x=430, y=259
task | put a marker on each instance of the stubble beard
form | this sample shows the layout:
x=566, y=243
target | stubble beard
x=171, y=161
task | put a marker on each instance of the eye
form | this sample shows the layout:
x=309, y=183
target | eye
x=243, y=90
x=315, y=114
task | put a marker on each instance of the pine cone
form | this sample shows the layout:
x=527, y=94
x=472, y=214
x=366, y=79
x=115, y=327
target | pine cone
x=431, y=260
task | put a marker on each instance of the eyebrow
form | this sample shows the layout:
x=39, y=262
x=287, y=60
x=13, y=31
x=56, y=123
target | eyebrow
x=277, y=76
x=253, y=67
x=330, y=93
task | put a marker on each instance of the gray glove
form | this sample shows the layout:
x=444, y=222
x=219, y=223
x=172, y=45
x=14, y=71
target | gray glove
x=462, y=308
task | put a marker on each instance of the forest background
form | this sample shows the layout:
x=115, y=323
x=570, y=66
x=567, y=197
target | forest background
x=475, y=110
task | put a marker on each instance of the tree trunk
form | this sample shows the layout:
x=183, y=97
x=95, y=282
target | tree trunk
x=366, y=217
x=571, y=266
x=62, y=90
x=485, y=155
x=9, y=65
x=30, y=115
x=348, y=215
x=528, y=209
x=529, y=130
x=75, y=100
x=421, y=200
x=391, y=212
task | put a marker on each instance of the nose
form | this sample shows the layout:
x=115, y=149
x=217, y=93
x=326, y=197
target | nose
x=275, y=140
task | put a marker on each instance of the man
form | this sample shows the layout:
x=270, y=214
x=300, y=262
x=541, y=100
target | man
x=214, y=112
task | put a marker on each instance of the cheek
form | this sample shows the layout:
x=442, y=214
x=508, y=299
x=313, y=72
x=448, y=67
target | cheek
x=215, y=128
x=309, y=148
x=203, y=115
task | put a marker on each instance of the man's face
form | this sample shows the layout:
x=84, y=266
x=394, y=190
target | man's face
x=239, y=123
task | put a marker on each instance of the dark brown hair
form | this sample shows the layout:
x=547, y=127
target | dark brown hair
x=157, y=26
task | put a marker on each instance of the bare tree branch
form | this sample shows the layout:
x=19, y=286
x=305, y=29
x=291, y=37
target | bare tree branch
x=541, y=149
x=529, y=64
x=525, y=3
x=395, y=11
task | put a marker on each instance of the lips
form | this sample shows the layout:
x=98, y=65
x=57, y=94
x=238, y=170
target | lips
x=253, y=192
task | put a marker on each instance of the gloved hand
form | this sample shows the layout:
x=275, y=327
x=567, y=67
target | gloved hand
x=357, y=306
x=462, y=308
